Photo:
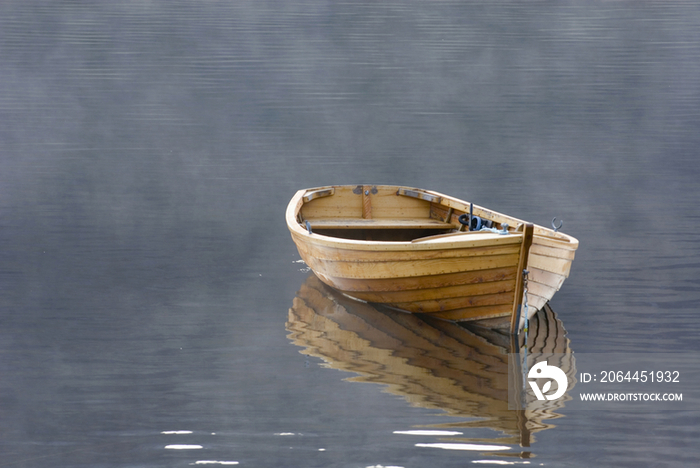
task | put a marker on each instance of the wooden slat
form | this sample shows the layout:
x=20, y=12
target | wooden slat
x=553, y=265
x=421, y=195
x=500, y=323
x=387, y=204
x=550, y=238
x=449, y=235
x=377, y=223
x=352, y=285
x=535, y=302
x=546, y=251
x=547, y=278
x=440, y=305
x=475, y=313
x=348, y=202
x=543, y=290
x=343, y=204
x=313, y=195
x=474, y=289
x=329, y=253
x=371, y=270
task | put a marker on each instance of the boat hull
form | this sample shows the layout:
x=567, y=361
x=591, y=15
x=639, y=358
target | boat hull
x=458, y=276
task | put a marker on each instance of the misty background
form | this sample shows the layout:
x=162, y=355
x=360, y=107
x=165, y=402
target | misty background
x=148, y=150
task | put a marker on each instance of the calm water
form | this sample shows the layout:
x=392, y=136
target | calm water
x=148, y=150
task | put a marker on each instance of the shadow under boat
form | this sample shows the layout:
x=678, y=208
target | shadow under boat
x=431, y=363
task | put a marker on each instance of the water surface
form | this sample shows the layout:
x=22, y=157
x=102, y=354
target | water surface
x=148, y=150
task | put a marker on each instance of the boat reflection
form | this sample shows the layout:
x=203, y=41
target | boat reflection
x=430, y=362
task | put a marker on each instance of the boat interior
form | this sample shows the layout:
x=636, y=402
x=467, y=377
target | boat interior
x=384, y=213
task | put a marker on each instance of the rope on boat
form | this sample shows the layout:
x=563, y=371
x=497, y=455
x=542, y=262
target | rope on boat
x=467, y=219
x=526, y=325
x=496, y=231
x=476, y=223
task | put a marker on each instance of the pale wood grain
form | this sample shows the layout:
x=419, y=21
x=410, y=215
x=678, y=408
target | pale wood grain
x=456, y=275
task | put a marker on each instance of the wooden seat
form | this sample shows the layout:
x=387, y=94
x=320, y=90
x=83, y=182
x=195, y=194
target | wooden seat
x=379, y=223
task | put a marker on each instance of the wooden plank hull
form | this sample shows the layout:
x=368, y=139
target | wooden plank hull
x=403, y=248
x=430, y=363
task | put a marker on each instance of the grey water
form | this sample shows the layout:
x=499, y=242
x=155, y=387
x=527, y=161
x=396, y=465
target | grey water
x=148, y=150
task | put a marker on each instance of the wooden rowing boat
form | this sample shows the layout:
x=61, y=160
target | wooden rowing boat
x=424, y=252
x=459, y=369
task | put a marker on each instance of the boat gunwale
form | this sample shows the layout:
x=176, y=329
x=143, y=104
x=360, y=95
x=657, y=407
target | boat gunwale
x=542, y=235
